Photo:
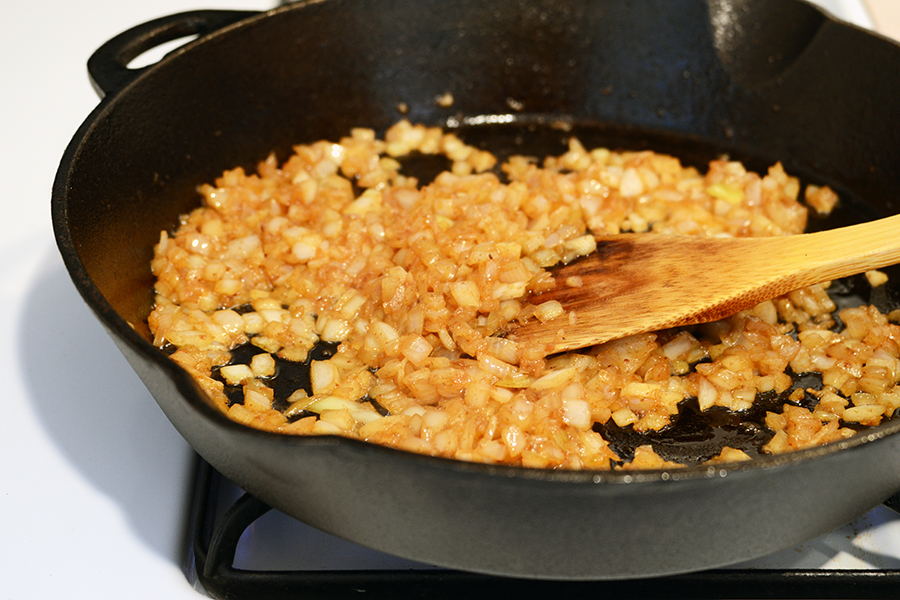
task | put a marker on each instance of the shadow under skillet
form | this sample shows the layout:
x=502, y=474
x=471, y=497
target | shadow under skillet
x=97, y=411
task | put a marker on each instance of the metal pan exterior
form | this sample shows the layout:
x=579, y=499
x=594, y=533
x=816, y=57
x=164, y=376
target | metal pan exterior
x=764, y=81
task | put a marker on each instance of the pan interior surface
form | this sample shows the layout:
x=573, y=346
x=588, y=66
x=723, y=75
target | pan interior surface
x=695, y=436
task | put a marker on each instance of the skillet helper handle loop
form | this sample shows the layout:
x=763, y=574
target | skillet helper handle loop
x=108, y=65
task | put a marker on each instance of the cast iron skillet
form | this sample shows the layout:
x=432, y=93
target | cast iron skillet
x=763, y=81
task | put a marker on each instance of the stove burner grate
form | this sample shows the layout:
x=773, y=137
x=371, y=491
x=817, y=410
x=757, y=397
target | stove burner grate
x=212, y=545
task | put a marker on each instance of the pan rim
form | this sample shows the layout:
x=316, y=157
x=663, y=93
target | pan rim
x=118, y=327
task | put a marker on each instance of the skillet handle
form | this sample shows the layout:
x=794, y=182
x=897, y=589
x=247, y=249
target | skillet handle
x=108, y=65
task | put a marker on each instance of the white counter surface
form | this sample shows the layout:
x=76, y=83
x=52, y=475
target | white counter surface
x=93, y=478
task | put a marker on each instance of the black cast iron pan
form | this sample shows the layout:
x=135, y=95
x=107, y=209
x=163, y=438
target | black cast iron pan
x=762, y=81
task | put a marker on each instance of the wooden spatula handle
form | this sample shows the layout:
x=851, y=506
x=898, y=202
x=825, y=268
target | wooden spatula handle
x=639, y=282
x=835, y=253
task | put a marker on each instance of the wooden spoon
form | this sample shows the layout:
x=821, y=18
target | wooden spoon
x=637, y=283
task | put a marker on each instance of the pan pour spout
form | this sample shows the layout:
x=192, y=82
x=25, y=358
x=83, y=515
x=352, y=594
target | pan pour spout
x=780, y=34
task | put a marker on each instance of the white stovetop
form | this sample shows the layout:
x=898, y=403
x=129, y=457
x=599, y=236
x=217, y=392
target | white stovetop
x=93, y=478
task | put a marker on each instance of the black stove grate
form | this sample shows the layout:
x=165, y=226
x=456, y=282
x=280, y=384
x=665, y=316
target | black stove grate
x=213, y=542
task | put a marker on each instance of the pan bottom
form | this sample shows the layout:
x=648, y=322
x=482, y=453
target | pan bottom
x=694, y=436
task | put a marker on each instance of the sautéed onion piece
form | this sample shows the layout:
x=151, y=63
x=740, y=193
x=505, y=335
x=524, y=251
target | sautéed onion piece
x=334, y=294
